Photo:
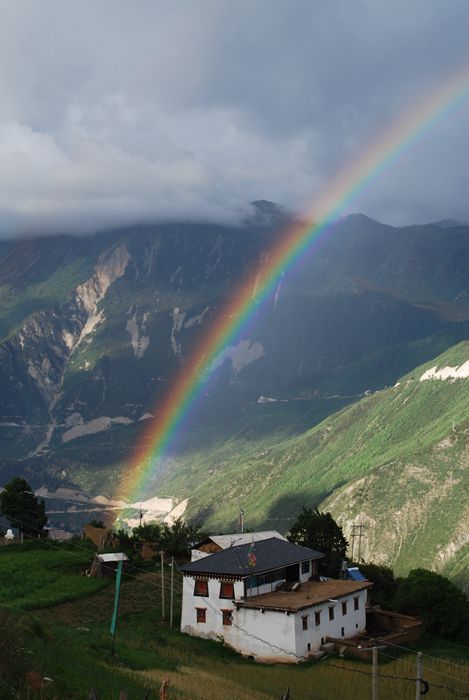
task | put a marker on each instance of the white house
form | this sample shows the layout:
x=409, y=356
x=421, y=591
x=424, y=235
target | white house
x=265, y=599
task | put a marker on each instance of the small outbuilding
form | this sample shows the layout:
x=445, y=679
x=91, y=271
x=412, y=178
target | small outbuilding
x=106, y=564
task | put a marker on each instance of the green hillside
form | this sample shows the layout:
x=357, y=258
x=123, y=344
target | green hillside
x=396, y=461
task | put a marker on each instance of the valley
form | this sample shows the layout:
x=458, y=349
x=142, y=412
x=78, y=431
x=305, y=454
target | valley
x=317, y=403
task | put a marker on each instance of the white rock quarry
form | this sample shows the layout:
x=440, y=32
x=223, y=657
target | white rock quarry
x=110, y=266
x=157, y=508
x=458, y=372
x=97, y=425
x=138, y=340
x=196, y=320
x=239, y=355
x=178, y=317
x=146, y=416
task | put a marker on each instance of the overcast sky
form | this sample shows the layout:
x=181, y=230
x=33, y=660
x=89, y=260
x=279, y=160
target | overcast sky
x=117, y=111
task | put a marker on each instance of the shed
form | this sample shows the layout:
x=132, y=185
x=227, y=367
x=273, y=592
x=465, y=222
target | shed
x=106, y=564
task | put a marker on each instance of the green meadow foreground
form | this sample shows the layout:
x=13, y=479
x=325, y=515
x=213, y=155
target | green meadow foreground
x=60, y=627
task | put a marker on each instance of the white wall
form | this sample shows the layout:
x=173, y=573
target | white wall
x=353, y=623
x=213, y=626
x=268, y=635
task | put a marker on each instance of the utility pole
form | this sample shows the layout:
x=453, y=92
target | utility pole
x=140, y=517
x=171, y=595
x=418, y=676
x=357, y=531
x=162, y=583
x=374, y=675
x=241, y=519
x=116, y=604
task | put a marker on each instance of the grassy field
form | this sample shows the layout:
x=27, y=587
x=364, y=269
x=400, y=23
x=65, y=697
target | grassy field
x=70, y=643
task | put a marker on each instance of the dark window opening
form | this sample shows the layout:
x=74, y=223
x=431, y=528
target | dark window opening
x=309, y=646
x=227, y=617
x=317, y=618
x=344, y=608
x=305, y=567
x=227, y=590
x=356, y=603
x=331, y=612
x=304, y=621
x=201, y=614
x=201, y=588
x=342, y=631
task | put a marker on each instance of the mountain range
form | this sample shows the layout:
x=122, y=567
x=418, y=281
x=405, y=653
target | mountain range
x=94, y=330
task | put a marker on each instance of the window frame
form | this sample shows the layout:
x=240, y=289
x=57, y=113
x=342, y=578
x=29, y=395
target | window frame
x=305, y=567
x=344, y=607
x=356, y=602
x=304, y=622
x=331, y=612
x=199, y=582
x=317, y=618
x=201, y=616
x=227, y=617
x=227, y=583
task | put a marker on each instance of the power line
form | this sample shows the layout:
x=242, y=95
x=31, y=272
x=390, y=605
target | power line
x=435, y=658
x=275, y=648
x=412, y=651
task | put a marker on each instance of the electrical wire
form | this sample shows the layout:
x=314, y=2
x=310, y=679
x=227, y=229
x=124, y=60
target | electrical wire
x=275, y=648
x=430, y=670
x=429, y=656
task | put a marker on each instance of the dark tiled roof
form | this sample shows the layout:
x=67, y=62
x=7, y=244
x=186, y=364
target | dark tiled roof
x=270, y=554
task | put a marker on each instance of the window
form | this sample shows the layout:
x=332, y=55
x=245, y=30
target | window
x=309, y=646
x=305, y=567
x=317, y=618
x=201, y=588
x=273, y=576
x=342, y=631
x=201, y=614
x=331, y=612
x=227, y=590
x=356, y=603
x=227, y=617
x=344, y=607
x=304, y=621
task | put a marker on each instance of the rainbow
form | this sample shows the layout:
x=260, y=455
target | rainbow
x=235, y=316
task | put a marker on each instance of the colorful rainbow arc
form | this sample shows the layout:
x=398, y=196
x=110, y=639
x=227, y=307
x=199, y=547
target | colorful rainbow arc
x=234, y=317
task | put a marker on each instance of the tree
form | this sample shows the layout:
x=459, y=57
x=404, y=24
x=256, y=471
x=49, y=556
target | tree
x=384, y=583
x=441, y=605
x=320, y=531
x=178, y=538
x=148, y=532
x=24, y=511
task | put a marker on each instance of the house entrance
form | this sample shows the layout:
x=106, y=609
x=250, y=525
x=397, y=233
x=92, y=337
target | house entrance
x=293, y=573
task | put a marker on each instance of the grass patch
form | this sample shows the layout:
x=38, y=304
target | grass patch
x=70, y=643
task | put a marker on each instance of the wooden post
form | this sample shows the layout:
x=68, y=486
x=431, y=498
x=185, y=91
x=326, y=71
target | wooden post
x=162, y=584
x=171, y=595
x=374, y=677
x=164, y=690
x=418, y=679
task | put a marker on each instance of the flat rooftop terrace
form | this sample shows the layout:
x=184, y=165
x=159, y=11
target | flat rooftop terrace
x=308, y=594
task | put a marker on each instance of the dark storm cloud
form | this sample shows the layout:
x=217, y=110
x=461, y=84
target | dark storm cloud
x=118, y=111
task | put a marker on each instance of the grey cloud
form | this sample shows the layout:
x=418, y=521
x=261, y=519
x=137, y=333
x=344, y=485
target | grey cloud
x=116, y=112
